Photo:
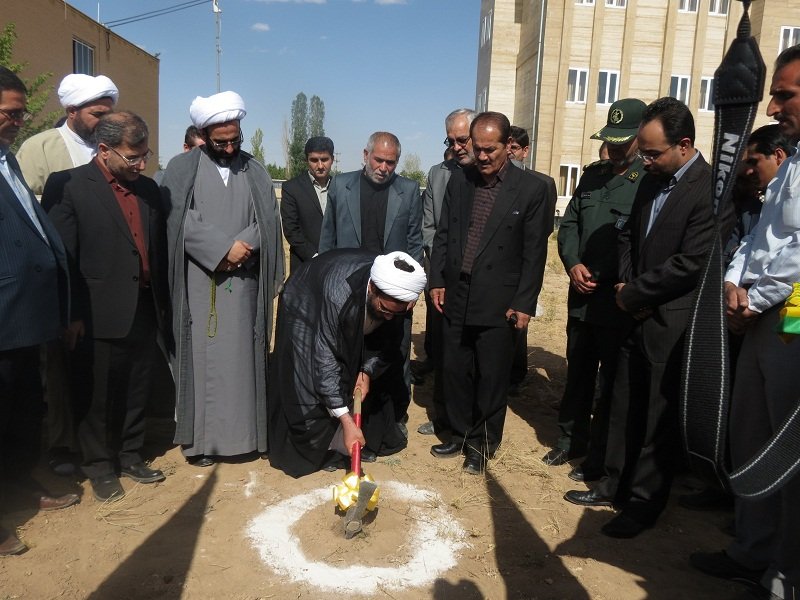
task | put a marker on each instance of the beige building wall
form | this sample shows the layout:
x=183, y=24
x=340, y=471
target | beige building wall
x=647, y=42
x=45, y=32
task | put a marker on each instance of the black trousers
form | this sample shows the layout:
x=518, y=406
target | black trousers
x=112, y=432
x=643, y=435
x=592, y=350
x=21, y=412
x=476, y=369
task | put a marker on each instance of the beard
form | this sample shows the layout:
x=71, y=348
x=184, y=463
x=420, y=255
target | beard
x=222, y=158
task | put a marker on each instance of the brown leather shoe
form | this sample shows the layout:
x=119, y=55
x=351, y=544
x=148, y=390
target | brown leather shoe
x=57, y=503
x=10, y=544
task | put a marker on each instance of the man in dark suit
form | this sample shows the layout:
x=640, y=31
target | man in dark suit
x=303, y=201
x=487, y=269
x=111, y=221
x=33, y=310
x=661, y=252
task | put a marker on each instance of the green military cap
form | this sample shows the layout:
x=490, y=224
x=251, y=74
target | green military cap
x=623, y=121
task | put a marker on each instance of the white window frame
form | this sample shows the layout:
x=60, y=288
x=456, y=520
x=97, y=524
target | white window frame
x=681, y=83
x=481, y=100
x=706, y=94
x=82, y=57
x=584, y=2
x=571, y=182
x=719, y=7
x=688, y=6
x=616, y=3
x=790, y=36
x=607, y=96
x=486, y=28
x=578, y=96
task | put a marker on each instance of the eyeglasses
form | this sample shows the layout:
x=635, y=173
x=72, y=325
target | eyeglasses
x=16, y=116
x=383, y=310
x=223, y=145
x=461, y=141
x=650, y=157
x=134, y=160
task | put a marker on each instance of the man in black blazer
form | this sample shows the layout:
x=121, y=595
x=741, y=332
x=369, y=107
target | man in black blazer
x=111, y=221
x=661, y=252
x=33, y=310
x=303, y=201
x=487, y=268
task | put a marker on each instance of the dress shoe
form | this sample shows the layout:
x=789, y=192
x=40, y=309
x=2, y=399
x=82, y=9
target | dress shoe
x=141, y=473
x=368, y=456
x=107, y=488
x=62, y=462
x=719, y=564
x=474, y=463
x=427, y=428
x=47, y=503
x=556, y=457
x=10, y=544
x=335, y=462
x=587, y=498
x=709, y=499
x=201, y=460
x=624, y=526
x=584, y=475
x=446, y=450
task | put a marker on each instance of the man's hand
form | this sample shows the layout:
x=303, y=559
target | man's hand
x=239, y=252
x=74, y=333
x=737, y=308
x=581, y=279
x=362, y=383
x=437, y=297
x=521, y=320
x=350, y=433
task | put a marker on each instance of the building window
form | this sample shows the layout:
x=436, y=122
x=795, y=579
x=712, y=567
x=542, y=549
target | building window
x=707, y=94
x=576, y=85
x=82, y=58
x=486, y=28
x=568, y=179
x=585, y=2
x=607, y=87
x=616, y=3
x=790, y=36
x=718, y=7
x=687, y=6
x=679, y=88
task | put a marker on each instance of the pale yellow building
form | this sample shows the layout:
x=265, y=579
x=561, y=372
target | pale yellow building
x=554, y=66
x=54, y=37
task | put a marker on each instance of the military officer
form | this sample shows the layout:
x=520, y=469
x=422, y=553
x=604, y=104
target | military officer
x=587, y=245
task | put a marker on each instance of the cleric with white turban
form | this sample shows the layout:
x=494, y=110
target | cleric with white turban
x=398, y=275
x=219, y=108
x=78, y=89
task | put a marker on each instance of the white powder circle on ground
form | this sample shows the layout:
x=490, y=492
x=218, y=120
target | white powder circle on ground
x=437, y=540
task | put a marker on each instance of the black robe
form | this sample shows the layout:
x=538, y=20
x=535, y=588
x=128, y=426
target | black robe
x=320, y=348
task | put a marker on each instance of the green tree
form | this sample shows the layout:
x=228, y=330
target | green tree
x=412, y=169
x=38, y=90
x=316, y=117
x=276, y=172
x=298, y=134
x=258, y=148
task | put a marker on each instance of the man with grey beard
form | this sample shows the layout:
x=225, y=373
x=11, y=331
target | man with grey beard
x=587, y=245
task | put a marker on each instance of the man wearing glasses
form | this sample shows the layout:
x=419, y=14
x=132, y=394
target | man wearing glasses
x=111, y=220
x=662, y=249
x=226, y=266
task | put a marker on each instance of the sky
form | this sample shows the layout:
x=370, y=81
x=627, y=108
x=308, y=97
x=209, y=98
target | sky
x=392, y=65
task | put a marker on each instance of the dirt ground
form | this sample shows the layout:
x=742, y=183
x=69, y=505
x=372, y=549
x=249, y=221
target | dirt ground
x=509, y=532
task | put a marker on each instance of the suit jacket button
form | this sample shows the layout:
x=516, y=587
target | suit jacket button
x=38, y=268
x=488, y=267
x=18, y=243
x=136, y=278
x=136, y=253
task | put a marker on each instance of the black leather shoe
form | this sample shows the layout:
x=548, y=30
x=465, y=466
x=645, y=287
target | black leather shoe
x=474, y=464
x=585, y=475
x=141, y=473
x=624, y=526
x=556, y=457
x=335, y=462
x=368, y=455
x=719, y=564
x=200, y=461
x=446, y=450
x=107, y=488
x=587, y=498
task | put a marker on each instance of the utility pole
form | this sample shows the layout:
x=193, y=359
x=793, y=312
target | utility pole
x=217, y=17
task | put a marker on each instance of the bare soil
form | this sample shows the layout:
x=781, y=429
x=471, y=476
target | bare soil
x=187, y=536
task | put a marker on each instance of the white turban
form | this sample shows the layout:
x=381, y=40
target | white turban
x=398, y=275
x=78, y=89
x=219, y=108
